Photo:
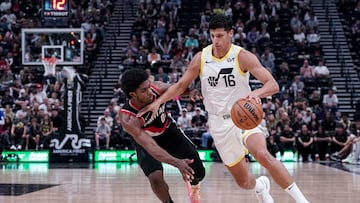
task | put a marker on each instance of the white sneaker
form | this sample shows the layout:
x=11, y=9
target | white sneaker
x=13, y=147
x=19, y=147
x=264, y=196
x=349, y=160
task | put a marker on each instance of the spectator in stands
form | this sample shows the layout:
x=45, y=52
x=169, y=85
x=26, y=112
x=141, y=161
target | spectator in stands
x=57, y=120
x=206, y=139
x=107, y=115
x=296, y=22
x=311, y=20
x=8, y=112
x=90, y=47
x=129, y=59
x=353, y=146
x=253, y=36
x=299, y=37
x=174, y=75
x=321, y=70
x=192, y=42
x=39, y=95
x=5, y=5
x=322, y=144
x=329, y=123
x=153, y=56
x=46, y=128
x=24, y=111
x=291, y=50
x=7, y=98
x=268, y=105
x=161, y=75
x=5, y=129
x=268, y=60
x=297, y=85
x=103, y=131
x=345, y=121
x=18, y=132
x=198, y=121
x=297, y=123
x=315, y=99
x=287, y=140
x=141, y=59
x=307, y=116
x=312, y=37
x=33, y=134
x=340, y=139
x=184, y=121
x=305, y=142
x=330, y=101
x=307, y=70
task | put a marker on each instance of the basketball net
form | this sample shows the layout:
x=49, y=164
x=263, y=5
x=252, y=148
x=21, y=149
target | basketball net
x=49, y=65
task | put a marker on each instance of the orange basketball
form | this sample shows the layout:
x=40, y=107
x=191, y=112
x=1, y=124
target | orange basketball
x=246, y=114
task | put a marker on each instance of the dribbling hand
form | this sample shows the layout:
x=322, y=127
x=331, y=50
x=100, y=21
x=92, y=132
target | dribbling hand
x=254, y=96
x=186, y=171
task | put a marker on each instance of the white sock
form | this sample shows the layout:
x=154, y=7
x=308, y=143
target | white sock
x=296, y=194
x=259, y=186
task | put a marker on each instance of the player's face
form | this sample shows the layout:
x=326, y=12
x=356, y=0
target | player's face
x=143, y=93
x=221, y=39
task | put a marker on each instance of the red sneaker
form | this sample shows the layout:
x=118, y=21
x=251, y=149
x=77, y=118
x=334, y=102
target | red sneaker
x=193, y=192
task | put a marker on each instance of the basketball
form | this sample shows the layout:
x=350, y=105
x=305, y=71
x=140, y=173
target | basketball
x=246, y=114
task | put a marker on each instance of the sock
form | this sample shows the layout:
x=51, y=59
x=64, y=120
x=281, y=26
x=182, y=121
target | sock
x=296, y=194
x=259, y=186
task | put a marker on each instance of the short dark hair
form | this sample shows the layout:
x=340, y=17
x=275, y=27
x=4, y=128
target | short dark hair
x=131, y=79
x=221, y=21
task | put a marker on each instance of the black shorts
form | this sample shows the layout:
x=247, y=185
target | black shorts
x=175, y=142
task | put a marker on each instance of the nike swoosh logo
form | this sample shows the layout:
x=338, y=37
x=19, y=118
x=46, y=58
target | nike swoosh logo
x=208, y=61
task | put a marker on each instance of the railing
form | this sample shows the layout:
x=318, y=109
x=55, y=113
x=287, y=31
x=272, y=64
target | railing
x=344, y=66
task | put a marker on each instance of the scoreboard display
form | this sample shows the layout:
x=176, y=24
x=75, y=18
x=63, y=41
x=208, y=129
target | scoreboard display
x=56, y=8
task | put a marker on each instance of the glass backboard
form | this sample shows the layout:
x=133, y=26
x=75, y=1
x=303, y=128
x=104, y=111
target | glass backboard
x=66, y=44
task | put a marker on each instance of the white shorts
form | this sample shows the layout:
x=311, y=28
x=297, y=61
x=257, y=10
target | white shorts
x=229, y=139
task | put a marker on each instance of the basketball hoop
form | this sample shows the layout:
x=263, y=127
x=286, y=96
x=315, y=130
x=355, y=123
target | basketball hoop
x=49, y=65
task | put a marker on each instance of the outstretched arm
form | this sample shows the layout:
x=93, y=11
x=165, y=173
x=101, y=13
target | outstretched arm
x=132, y=125
x=178, y=88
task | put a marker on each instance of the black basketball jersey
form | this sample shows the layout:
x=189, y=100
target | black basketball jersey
x=155, y=126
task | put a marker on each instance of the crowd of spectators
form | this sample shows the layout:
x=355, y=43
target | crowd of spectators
x=31, y=106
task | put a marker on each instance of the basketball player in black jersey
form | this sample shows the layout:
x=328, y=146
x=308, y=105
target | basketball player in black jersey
x=158, y=139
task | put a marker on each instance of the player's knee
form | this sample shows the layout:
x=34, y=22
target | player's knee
x=156, y=178
x=264, y=158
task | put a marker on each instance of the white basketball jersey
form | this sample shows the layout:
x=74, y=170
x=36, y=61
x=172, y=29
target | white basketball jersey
x=222, y=81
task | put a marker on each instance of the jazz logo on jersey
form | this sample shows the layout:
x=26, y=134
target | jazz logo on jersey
x=226, y=75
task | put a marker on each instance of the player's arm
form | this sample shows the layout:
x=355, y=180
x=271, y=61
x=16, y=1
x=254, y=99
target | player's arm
x=249, y=62
x=178, y=88
x=132, y=125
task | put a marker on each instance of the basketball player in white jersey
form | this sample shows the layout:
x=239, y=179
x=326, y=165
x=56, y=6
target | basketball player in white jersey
x=224, y=71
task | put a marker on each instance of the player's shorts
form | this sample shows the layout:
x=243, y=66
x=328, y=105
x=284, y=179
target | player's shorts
x=229, y=139
x=174, y=141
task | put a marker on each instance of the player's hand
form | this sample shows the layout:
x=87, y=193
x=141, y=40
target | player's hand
x=153, y=108
x=254, y=96
x=186, y=171
x=195, y=95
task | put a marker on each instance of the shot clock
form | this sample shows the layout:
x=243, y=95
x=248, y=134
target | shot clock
x=56, y=8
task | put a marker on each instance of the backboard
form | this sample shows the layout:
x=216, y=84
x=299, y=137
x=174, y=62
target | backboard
x=66, y=44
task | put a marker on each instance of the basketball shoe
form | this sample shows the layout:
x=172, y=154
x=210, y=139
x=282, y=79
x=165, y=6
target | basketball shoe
x=193, y=192
x=264, y=196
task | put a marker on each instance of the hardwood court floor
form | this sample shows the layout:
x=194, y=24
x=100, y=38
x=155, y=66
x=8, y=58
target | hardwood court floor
x=125, y=183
